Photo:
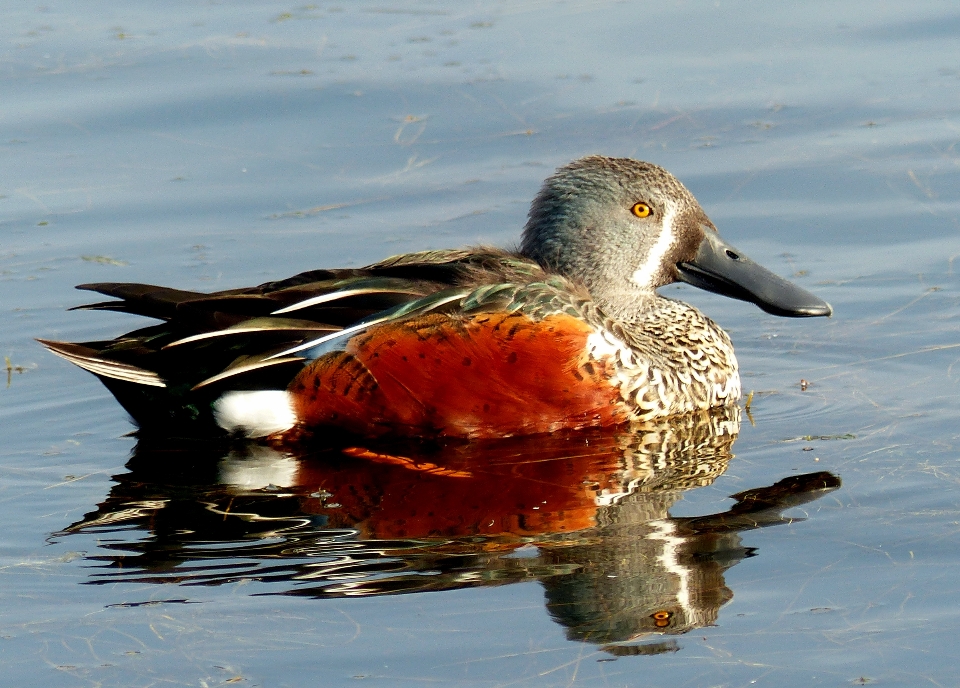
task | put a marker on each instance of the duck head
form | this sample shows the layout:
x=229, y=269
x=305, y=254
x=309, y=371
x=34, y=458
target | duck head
x=623, y=227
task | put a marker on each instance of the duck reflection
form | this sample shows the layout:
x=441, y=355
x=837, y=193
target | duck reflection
x=586, y=514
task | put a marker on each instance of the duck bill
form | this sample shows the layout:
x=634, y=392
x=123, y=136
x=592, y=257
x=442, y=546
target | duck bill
x=720, y=268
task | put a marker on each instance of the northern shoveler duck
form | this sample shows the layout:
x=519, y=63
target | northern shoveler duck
x=565, y=332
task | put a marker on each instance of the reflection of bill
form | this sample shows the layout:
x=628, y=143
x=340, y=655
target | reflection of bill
x=586, y=514
x=664, y=575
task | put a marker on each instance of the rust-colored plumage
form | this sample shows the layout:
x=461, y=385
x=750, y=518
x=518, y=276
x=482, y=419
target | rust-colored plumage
x=486, y=375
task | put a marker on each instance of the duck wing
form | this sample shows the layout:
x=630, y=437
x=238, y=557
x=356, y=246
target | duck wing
x=262, y=335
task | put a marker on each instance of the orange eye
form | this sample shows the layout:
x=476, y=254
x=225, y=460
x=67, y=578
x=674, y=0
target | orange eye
x=661, y=619
x=641, y=210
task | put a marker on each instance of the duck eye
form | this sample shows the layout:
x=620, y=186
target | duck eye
x=662, y=618
x=641, y=210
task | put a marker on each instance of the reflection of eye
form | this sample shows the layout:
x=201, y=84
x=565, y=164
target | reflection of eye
x=641, y=210
x=662, y=618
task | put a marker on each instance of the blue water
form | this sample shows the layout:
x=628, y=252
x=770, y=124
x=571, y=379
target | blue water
x=220, y=145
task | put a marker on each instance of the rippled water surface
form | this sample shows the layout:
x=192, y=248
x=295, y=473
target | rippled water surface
x=220, y=145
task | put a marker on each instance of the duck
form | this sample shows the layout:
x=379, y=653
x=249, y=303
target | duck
x=564, y=332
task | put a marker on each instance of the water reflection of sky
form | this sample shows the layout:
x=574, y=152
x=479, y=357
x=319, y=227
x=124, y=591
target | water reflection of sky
x=214, y=146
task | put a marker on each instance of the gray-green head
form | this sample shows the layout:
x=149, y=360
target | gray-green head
x=623, y=227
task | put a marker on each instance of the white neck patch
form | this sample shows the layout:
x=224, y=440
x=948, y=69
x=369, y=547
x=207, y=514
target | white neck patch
x=643, y=275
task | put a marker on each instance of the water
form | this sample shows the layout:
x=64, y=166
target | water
x=217, y=146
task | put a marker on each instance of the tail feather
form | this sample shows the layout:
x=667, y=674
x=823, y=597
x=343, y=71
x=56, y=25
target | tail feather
x=134, y=291
x=90, y=359
x=142, y=299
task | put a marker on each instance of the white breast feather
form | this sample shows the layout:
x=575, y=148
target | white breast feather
x=601, y=344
